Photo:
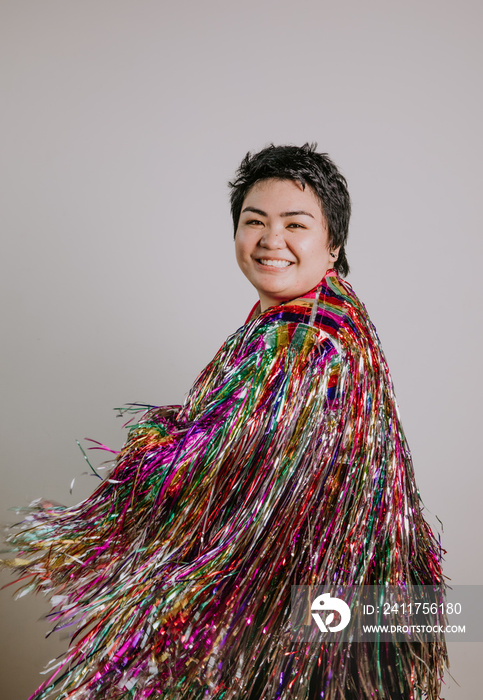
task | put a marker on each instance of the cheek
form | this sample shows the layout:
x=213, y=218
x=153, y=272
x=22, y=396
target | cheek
x=240, y=246
x=243, y=246
x=313, y=250
x=316, y=256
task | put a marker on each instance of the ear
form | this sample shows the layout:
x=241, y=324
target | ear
x=334, y=253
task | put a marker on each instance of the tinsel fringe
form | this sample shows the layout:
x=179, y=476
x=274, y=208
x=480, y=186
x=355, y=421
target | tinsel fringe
x=286, y=465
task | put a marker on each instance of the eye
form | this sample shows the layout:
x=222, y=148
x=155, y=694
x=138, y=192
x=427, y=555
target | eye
x=253, y=222
x=295, y=225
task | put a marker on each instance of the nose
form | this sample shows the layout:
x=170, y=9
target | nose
x=272, y=238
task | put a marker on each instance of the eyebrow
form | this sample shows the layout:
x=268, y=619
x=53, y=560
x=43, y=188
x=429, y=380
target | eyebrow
x=285, y=213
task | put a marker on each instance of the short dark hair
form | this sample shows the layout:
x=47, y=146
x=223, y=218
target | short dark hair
x=301, y=164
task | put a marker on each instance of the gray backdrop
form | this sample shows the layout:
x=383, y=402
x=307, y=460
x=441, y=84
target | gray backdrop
x=121, y=122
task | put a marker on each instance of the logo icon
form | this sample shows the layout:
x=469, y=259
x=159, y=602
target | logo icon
x=325, y=602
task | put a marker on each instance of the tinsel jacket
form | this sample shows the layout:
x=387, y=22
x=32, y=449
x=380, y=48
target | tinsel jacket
x=286, y=465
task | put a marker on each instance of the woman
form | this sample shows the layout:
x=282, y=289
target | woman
x=286, y=465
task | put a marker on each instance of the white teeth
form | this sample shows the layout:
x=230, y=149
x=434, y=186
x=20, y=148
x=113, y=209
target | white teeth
x=274, y=263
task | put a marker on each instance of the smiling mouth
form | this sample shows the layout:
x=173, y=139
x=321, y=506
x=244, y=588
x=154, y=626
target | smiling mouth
x=274, y=263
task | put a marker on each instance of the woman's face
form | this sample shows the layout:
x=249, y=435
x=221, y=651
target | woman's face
x=281, y=240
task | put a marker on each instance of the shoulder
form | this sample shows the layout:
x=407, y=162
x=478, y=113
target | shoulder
x=286, y=331
x=330, y=322
x=333, y=310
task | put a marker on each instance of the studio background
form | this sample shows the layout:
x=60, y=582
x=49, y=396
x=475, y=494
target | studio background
x=121, y=123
